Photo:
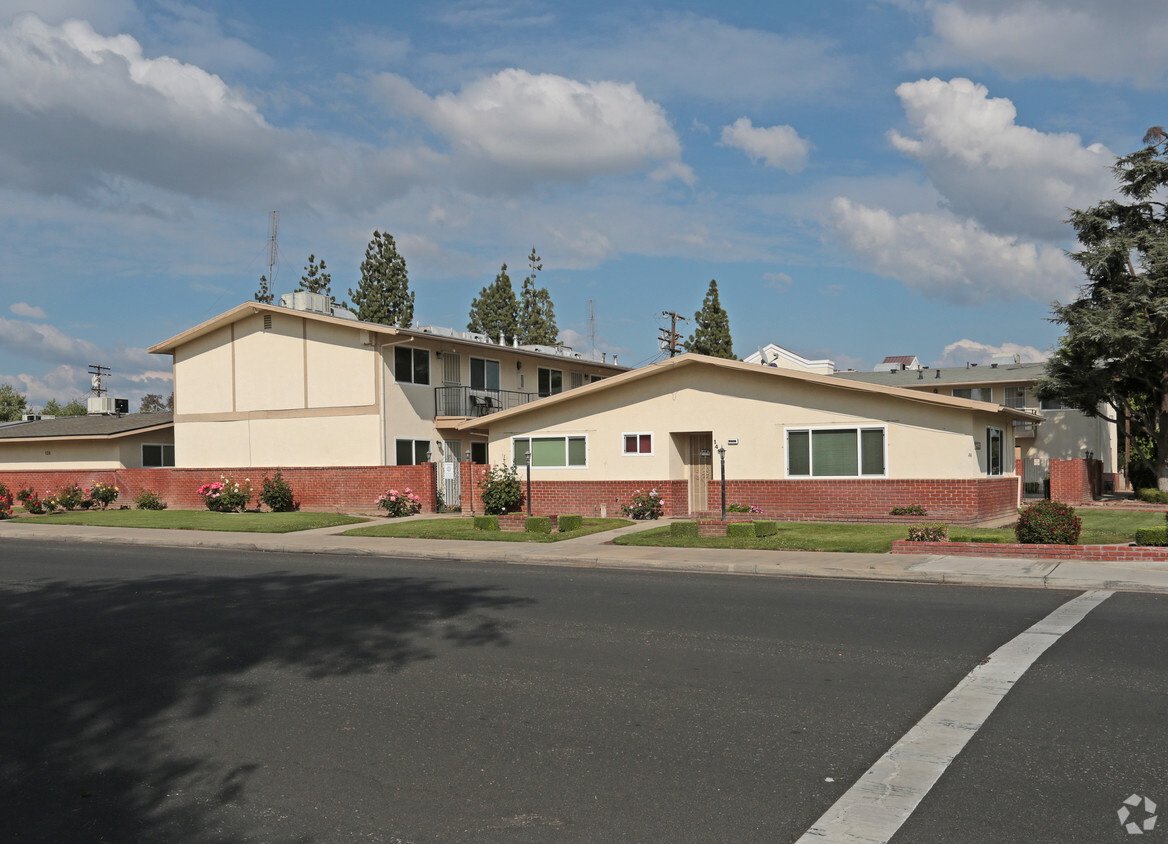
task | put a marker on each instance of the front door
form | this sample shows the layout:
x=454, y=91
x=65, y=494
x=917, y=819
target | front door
x=451, y=474
x=700, y=463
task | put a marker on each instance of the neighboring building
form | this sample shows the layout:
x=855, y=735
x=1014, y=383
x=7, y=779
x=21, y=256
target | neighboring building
x=262, y=385
x=1065, y=434
x=798, y=444
x=898, y=363
x=130, y=441
x=780, y=358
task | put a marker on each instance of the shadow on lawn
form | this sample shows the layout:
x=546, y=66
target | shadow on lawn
x=92, y=671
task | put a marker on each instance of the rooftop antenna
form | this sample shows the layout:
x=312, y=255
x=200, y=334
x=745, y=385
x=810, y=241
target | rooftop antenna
x=273, y=251
x=592, y=327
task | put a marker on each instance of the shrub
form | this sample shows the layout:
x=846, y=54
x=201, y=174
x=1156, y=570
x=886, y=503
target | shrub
x=1152, y=536
x=986, y=539
x=686, y=529
x=928, y=533
x=567, y=523
x=397, y=504
x=502, y=491
x=1152, y=495
x=1048, y=523
x=486, y=522
x=277, y=495
x=644, y=505
x=763, y=528
x=31, y=501
x=740, y=529
x=537, y=524
x=742, y=508
x=225, y=495
x=5, y=503
x=147, y=500
x=910, y=510
x=69, y=496
x=102, y=495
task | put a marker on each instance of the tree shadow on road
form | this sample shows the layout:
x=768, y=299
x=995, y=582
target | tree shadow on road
x=91, y=671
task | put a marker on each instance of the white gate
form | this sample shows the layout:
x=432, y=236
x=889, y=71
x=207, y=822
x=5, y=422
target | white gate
x=449, y=474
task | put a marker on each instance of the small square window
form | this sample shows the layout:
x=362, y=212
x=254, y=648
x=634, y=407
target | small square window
x=638, y=443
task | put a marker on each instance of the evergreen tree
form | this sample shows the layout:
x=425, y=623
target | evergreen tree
x=316, y=280
x=73, y=408
x=12, y=404
x=496, y=311
x=153, y=403
x=1113, y=359
x=383, y=294
x=712, y=328
x=537, y=314
x=264, y=294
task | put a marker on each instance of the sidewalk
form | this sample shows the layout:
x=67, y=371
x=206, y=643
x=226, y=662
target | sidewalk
x=596, y=551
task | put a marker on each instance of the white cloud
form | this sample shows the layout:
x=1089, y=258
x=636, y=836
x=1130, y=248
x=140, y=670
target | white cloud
x=778, y=146
x=545, y=127
x=1116, y=40
x=970, y=351
x=26, y=310
x=945, y=257
x=1012, y=179
x=777, y=281
x=48, y=343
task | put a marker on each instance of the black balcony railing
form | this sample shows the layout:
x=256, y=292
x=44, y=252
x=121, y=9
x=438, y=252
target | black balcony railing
x=471, y=401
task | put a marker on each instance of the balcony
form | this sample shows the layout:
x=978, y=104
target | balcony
x=468, y=402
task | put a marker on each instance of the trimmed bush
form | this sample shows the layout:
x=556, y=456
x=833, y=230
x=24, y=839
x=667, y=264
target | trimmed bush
x=148, y=500
x=537, y=524
x=567, y=523
x=910, y=510
x=277, y=494
x=1152, y=495
x=989, y=539
x=766, y=528
x=1152, y=536
x=686, y=529
x=740, y=529
x=486, y=522
x=1048, y=523
x=928, y=533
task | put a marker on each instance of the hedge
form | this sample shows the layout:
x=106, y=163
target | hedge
x=1152, y=536
x=567, y=523
x=537, y=524
x=766, y=528
x=740, y=529
x=486, y=522
x=684, y=529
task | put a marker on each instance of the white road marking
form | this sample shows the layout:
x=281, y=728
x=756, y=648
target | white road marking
x=872, y=810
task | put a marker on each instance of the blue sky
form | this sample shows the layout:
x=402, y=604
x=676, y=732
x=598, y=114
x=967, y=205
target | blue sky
x=862, y=178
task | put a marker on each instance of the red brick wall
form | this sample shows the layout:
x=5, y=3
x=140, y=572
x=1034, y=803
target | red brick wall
x=342, y=488
x=1076, y=481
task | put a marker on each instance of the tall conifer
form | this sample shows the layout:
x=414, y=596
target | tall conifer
x=712, y=332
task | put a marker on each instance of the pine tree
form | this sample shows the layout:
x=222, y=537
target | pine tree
x=496, y=311
x=73, y=408
x=712, y=328
x=12, y=404
x=1113, y=359
x=264, y=294
x=537, y=313
x=383, y=294
x=316, y=280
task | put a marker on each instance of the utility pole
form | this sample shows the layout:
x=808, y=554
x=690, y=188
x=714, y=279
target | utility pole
x=669, y=338
x=96, y=373
x=273, y=251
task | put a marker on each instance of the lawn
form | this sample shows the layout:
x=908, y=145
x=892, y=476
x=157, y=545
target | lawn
x=196, y=520
x=465, y=529
x=1100, y=527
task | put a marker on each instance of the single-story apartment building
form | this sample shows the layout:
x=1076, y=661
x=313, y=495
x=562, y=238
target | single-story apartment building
x=796, y=444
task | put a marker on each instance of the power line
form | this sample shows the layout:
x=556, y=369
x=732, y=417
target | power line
x=669, y=337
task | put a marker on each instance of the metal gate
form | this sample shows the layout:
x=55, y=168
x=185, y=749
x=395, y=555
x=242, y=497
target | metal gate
x=1035, y=472
x=450, y=477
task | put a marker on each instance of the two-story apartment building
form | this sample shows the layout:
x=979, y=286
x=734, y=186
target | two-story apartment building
x=309, y=385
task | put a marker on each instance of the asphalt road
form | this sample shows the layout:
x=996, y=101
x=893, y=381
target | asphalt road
x=211, y=696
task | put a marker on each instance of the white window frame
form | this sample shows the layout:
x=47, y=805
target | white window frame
x=163, y=464
x=638, y=435
x=971, y=391
x=413, y=450
x=1052, y=404
x=810, y=431
x=564, y=437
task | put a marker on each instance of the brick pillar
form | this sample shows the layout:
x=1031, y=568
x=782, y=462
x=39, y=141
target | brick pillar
x=1075, y=481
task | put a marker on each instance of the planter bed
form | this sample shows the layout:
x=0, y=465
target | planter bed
x=518, y=521
x=1098, y=553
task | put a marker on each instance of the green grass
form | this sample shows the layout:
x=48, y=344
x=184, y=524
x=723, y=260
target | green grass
x=196, y=520
x=465, y=529
x=1100, y=527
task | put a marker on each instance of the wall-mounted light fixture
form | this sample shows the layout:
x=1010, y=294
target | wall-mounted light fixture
x=519, y=364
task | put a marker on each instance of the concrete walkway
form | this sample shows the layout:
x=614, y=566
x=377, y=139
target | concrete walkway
x=596, y=551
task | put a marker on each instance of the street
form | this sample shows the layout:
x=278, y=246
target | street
x=160, y=694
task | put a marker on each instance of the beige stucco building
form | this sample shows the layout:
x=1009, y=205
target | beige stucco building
x=263, y=385
x=130, y=441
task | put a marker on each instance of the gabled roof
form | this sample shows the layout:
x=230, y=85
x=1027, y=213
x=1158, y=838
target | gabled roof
x=88, y=427
x=689, y=360
x=390, y=333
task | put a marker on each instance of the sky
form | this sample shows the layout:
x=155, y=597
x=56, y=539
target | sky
x=862, y=179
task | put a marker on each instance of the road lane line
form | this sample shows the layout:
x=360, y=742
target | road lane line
x=872, y=810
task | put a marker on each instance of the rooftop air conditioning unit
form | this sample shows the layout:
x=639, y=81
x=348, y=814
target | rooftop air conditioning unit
x=30, y=417
x=302, y=300
x=102, y=406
